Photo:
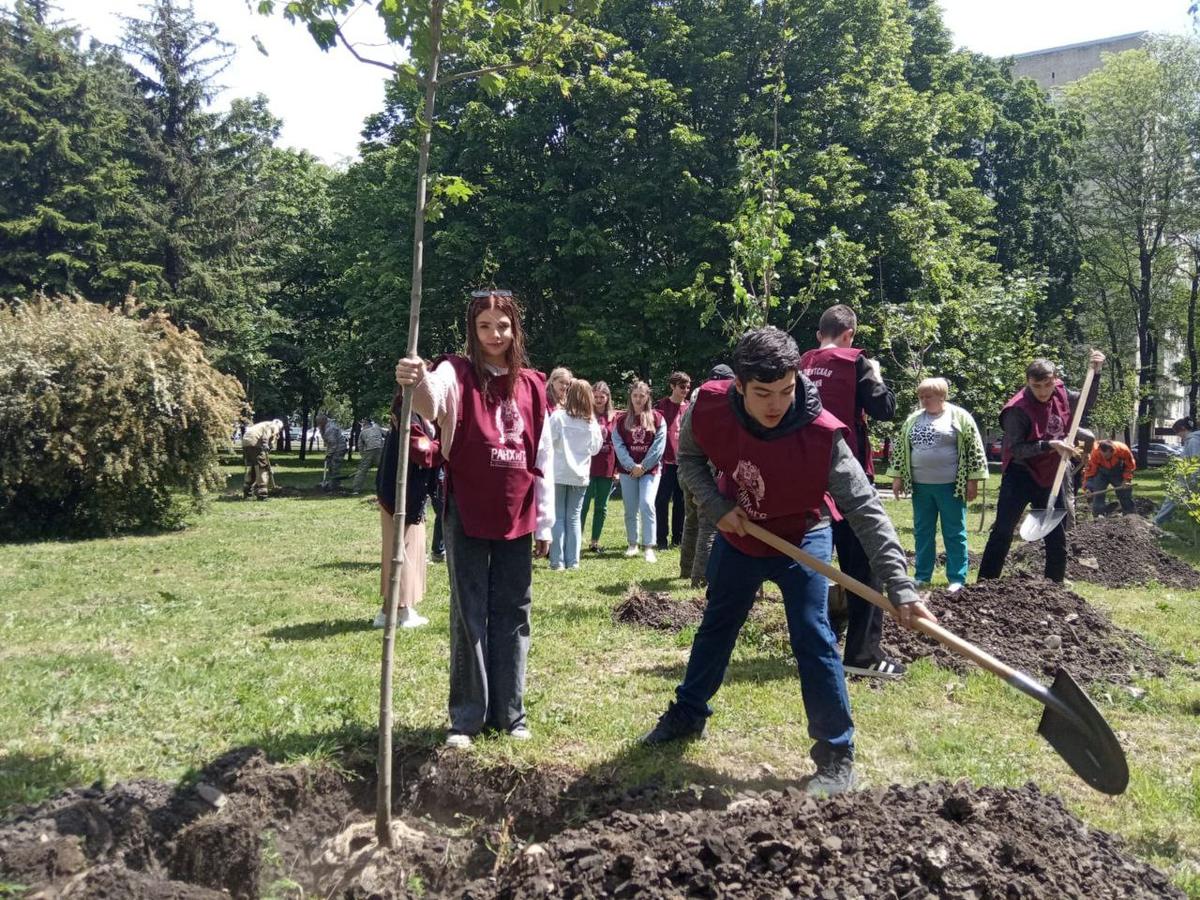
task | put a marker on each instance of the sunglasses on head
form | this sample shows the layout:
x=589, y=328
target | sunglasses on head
x=496, y=293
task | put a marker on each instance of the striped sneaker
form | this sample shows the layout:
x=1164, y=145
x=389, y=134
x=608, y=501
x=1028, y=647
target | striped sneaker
x=878, y=668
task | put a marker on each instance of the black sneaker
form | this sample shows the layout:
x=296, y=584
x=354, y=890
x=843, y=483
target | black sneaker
x=835, y=772
x=877, y=668
x=674, y=725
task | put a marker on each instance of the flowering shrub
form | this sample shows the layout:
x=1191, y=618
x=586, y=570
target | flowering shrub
x=109, y=420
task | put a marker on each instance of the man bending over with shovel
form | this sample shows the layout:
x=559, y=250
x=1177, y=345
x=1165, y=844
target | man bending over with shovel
x=780, y=458
x=1035, y=421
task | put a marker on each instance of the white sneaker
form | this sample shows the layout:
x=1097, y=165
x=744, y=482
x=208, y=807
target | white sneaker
x=458, y=741
x=954, y=588
x=556, y=568
x=651, y=556
x=574, y=568
x=380, y=620
x=413, y=620
x=520, y=733
x=632, y=551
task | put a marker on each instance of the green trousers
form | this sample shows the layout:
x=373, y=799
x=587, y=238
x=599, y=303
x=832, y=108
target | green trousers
x=600, y=488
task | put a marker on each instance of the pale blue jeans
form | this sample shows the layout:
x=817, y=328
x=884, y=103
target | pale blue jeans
x=567, y=531
x=637, y=495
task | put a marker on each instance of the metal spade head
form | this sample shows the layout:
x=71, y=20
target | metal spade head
x=1082, y=737
x=1040, y=522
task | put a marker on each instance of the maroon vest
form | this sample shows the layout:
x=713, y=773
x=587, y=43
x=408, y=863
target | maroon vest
x=834, y=371
x=1048, y=421
x=604, y=463
x=781, y=484
x=492, y=465
x=672, y=414
x=638, y=440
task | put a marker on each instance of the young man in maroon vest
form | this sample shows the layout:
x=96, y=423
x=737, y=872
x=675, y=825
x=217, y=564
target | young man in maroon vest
x=756, y=431
x=668, y=502
x=1035, y=421
x=852, y=389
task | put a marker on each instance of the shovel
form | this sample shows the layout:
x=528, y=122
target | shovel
x=1040, y=522
x=1070, y=722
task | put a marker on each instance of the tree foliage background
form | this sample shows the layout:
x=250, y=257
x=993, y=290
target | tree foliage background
x=690, y=168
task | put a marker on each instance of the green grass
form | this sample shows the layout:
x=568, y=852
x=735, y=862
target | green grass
x=151, y=655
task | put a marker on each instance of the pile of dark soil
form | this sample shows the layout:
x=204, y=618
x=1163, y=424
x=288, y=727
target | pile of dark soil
x=1118, y=551
x=1032, y=624
x=250, y=829
x=651, y=609
x=928, y=840
x=148, y=839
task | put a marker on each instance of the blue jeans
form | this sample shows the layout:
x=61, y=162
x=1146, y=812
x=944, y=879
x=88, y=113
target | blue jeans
x=567, y=531
x=733, y=582
x=637, y=496
x=929, y=502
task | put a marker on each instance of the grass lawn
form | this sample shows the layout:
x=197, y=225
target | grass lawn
x=150, y=655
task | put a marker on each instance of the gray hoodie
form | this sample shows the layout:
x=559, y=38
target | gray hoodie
x=856, y=497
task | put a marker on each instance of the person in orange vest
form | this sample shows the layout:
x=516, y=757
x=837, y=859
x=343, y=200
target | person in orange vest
x=1110, y=465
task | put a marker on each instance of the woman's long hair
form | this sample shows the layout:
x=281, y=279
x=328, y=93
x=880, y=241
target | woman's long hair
x=560, y=373
x=645, y=416
x=579, y=400
x=596, y=388
x=515, y=359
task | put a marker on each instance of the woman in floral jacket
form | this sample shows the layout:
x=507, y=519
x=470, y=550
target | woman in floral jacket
x=940, y=458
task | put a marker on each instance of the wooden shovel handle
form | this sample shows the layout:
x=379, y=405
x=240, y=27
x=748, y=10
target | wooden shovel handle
x=944, y=637
x=1076, y=418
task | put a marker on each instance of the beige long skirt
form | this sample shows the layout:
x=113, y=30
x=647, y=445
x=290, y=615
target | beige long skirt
x=412, y=579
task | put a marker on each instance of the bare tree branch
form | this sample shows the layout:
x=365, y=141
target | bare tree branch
x=391, y=67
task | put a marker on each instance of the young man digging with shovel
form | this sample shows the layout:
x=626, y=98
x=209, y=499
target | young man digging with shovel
x=780, y=458
x=1035, y=421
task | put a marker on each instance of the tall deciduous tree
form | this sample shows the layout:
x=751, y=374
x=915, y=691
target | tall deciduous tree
x=1137, y=169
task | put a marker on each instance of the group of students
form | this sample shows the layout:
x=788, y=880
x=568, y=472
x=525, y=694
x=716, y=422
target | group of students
x=591, y=445
x=782, y=444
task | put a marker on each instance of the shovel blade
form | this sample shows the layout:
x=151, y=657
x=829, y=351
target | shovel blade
x=1040, y=522
x=1082, y=737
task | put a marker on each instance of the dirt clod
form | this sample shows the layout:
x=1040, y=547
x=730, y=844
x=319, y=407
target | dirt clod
x=1118, y=551
x=1013, y=619
x=650, y=609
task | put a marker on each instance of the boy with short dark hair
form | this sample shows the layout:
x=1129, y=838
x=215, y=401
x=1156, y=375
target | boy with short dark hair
x=756, y=431
x=852, y=389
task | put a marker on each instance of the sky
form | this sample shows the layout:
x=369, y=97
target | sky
x=324, y=97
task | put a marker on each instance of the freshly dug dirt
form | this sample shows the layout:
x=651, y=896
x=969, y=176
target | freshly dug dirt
x=462, y=830
x=1117, y=551
x=928, y=840
x=148, y=839
x=651, y=609
x=1031, y=624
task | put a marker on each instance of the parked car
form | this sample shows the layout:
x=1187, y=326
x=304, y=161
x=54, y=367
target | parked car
x=1158, y=454
x=994, y=449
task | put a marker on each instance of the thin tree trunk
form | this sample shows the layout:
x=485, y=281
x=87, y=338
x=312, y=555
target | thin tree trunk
x=383, y=797
x=1148, y=363
x=1193, y=356
x=304, y=434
